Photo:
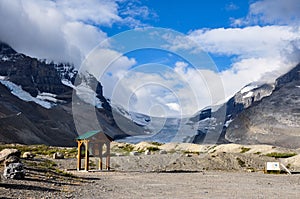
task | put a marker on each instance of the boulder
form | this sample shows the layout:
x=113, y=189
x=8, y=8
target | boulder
x=14, y=171
x=58, y=155
x=134, y=153
x=11, y=159
x=5, y=153
x=147, y=152
x=28, y=155
x=162, y=152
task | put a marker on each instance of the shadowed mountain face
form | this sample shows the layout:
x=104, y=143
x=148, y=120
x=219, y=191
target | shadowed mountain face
x=35, y=106
x=275, y=119
x=33, y=75
x=29, y=123
x=22, y=120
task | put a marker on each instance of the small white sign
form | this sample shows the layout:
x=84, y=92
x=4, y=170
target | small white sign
x=273, y=166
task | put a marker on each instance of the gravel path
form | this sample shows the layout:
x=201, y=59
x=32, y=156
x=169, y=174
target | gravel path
x=212, y=184
x=175, y=175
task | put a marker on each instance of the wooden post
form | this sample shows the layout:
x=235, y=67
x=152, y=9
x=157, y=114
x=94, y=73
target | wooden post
x=86, y=155
x=100, y=156
x=79, y=155
x=100, y=163
x=107, y=156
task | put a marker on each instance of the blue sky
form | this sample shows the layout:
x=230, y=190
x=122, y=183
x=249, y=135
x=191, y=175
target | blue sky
x=248, y=40
x=186, y=16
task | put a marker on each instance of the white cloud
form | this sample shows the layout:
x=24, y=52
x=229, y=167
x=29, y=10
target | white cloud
x=178, y=91
x=62, y=31
x=275, y=11
x=263, y=53
x=231, y=6
x=252, y=41
x=271, y=12
x=100, y=12
x=174, y=106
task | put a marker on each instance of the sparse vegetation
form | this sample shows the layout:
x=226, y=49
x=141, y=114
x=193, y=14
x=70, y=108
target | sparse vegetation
x=153, y=148
x=244, y=149
x=65, y=174
x=241, y=162
x=257, y=153
x=280, y=155
x=42, y=149
x=92, y=163
x=156, y=143
x=122, y=149
x=127, y=147
x=191, y=152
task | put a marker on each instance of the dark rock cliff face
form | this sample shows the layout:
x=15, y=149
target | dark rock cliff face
x=33, y=75
x=247, y=97
x=275, y=120
x=29, y=123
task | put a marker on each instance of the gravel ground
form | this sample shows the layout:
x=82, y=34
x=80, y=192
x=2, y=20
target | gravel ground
x=137, y=177
x=208, y=184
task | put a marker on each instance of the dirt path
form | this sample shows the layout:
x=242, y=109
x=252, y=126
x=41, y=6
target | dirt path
x=212, y=184
x=203, y=184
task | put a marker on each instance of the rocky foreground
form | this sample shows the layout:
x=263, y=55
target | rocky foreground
x=153, y=170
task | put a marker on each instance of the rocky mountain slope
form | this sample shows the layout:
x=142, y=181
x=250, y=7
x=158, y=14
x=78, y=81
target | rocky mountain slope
x=36, y=107
x=275, y=119
x=36, y=101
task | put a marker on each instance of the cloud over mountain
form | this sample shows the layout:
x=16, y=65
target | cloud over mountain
x=62, y=31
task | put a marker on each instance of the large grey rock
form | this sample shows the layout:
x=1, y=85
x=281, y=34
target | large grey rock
x=134, y=153
x=11, y=159
x=162, y=152
x=28, y=155
x=5, y=153
x=58, y=155
x=14, y=171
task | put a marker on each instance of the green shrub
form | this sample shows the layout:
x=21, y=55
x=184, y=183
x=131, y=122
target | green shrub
x=241, y=162
x=156, y=143
x=244, y=149
x=192, y=152
x=153, y=148
x=127, y=148
x=280, y=155
x=42, y=149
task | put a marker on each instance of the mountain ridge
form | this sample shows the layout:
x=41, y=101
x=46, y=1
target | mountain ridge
x=275, y=120
x=60, y=84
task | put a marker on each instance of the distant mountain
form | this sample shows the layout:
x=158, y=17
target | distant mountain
x=275, y=119
x=36, y=101
x=48, y=103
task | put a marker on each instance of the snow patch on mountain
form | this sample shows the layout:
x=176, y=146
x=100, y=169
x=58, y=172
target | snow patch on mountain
x=249, y=94
x=50, y=97
x=88, y=95
x=248, y=88
x=67, y=83
x=140, y=119
x=5, y=58
x=25, y=96
x=228, y=122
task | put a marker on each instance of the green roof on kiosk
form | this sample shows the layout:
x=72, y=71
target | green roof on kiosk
x=87, y=135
